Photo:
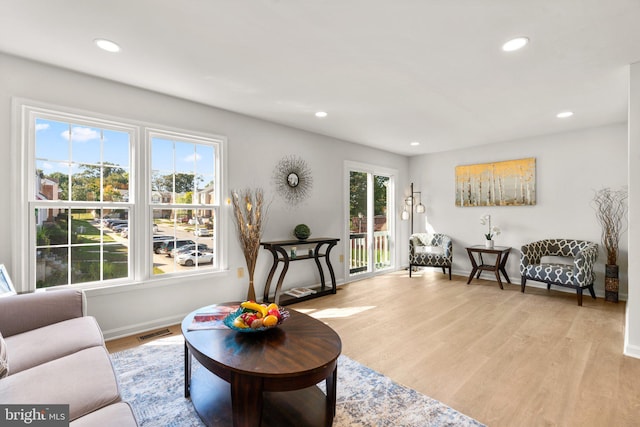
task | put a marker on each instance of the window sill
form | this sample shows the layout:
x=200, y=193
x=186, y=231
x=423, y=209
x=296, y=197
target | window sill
x=149, y=284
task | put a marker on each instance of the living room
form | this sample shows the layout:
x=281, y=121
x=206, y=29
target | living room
x=570, y=165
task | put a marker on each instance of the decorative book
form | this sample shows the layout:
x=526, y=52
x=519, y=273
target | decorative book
x=211, y=318
x=299, y=292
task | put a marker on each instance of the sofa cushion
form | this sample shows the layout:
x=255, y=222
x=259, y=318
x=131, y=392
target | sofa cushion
x=60, y=339
x=555, y=273
x=4, y=366
x=84, y=380
x=436, y=250
x=425, y=239
x=119, y=414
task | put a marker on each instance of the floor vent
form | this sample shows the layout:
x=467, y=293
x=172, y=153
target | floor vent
x=155, y=334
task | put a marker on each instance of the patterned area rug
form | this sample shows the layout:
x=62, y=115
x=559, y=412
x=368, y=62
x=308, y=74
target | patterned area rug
x=151, y=380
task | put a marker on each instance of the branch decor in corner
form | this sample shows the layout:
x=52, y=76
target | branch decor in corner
x=248, y=215
x=293, y=180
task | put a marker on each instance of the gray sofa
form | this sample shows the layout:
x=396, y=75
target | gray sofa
x=53, y=354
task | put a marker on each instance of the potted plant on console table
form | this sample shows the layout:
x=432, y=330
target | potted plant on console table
x=610, y=207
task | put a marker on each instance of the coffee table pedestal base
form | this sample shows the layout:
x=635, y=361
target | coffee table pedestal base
x=211, y=397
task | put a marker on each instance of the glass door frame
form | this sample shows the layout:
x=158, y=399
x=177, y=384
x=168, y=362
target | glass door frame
x=391, y=217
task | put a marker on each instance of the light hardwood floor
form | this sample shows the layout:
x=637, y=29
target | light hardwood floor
x=500, y=356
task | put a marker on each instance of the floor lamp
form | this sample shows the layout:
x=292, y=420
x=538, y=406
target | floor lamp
x=410, y=203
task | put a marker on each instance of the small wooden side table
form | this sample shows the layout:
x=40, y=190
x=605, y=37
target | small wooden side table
x=501, y=253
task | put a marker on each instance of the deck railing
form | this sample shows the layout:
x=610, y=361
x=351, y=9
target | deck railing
x=359, y=254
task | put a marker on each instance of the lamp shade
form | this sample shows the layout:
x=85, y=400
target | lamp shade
x=420, y=208
x=405, y=215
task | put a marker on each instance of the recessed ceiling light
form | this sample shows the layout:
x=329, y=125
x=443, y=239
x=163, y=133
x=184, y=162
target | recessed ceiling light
x=414, y=143
x=321, y=114
x=107, y=45
x=515, y=44
x=564, y=114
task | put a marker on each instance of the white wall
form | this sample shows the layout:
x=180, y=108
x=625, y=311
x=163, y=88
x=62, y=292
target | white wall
x=632, y=330
x=254, y=149
x=569, y=167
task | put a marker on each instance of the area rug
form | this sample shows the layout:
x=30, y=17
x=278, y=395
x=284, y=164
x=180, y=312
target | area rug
x=151, y=378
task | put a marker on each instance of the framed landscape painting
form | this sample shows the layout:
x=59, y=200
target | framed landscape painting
x=506, y=183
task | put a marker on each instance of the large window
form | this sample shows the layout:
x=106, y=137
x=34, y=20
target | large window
x=184, y=202
x=82, y=177
x=104, y=206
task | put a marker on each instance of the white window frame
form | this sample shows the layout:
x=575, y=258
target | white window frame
x=139, y=203
x=151, y=133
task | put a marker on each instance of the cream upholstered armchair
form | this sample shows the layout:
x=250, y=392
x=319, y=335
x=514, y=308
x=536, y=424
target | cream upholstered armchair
x=430, y=250
x=578, y=275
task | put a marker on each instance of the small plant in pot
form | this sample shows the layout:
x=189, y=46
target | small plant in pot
x=302, y=231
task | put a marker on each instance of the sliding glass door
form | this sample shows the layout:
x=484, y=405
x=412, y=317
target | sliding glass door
x=370, y=220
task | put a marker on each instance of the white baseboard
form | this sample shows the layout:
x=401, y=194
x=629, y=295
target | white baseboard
x=632, y=351
x=540, y=285
x=143, y=327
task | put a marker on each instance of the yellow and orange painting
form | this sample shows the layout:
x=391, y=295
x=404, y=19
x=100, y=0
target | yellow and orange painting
x=507, y=183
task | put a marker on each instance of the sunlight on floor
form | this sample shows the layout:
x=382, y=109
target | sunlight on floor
x=167, y=340
x=332, y=313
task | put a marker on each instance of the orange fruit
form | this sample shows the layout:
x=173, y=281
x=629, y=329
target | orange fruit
x=270, y=321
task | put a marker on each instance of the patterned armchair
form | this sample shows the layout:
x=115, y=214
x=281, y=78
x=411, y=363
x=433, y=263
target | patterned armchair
x=578, y=275
x=430, y=250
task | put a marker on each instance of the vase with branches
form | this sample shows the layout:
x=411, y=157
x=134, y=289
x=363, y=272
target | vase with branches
x=248, y=215
x=610, y=206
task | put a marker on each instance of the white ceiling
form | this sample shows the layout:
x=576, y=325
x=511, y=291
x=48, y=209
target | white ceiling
x=387, y=72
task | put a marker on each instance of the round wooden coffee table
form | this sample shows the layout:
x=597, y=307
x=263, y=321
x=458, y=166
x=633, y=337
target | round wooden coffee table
x=263, y=379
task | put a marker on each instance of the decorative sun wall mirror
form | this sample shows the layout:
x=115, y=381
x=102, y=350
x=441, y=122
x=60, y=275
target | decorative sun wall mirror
x=292, y=179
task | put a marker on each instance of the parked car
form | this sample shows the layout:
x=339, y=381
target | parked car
x=119, y=227
x=167, y=245
x=188, y=248
x=203, y=232
x=107, y=221
x=117, y=222
x=125, y=232
x=189, y=258
x=158, y=241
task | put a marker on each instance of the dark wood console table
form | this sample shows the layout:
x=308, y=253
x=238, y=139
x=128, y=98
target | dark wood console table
x=281, y=255
x=501, y=253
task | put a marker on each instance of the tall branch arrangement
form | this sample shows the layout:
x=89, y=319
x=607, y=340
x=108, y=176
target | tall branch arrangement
x=610, y=207
x=248, y=216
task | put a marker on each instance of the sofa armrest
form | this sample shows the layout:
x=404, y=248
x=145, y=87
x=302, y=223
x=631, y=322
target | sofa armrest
x=21, y=313
x=530, y=254
x=414, y=242
x=583, y=264
x=447, y=244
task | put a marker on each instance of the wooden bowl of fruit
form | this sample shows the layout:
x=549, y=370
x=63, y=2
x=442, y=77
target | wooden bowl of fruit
x=254, y=317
